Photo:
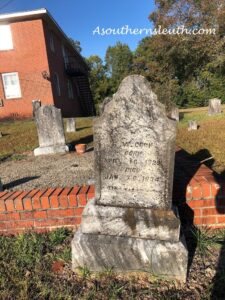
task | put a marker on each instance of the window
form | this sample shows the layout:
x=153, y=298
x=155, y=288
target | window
x=52, y=45
x=11, y=85
x=65, y=55
x=56, y=84
x=70, y=89
x=5, y=37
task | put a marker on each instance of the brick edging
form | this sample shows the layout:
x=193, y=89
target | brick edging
x=42, y=210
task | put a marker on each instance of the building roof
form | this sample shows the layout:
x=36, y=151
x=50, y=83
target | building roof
x=42, y=13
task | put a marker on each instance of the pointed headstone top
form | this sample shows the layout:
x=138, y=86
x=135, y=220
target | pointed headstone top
x=134, y=148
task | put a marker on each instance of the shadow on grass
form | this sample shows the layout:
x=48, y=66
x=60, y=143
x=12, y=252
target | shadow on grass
x=82, y=128
x=17, y=182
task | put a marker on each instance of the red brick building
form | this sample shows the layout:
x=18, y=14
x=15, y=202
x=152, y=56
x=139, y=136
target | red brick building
x=37, y=61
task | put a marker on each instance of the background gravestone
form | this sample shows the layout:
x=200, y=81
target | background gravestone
x=130, y=224
x=174, y=113
x=70, y=125
x=192, y=125
x=50, y=130
x=214, y=107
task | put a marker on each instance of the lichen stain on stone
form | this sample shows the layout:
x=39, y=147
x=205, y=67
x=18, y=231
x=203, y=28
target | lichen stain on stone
x=130, y=219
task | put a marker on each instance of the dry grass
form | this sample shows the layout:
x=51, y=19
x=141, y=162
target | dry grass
x=21, y=136
x=208, y=140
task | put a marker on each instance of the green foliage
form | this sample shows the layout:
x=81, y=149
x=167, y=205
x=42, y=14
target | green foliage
x=205, y=240
x=99, y=83
x=76, y=44
x=119, y=59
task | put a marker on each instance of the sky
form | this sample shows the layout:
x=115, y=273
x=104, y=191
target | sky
x=80, y=18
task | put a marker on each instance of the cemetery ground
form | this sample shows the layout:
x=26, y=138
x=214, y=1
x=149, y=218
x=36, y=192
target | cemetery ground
x=38, y=266
x=21, y=170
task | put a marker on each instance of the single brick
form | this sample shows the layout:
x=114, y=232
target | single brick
x=13, y=216
x=40, y=215
x=26, y=215
x=221, y=219
x=59, y=213
x=197, y=212
x=27, y=204
x=197, y=192
x=72, y=197
x=78, y=211
x=63, y=198
x=9, y=205
x=36, y=199
x=197, y=221
x=82, y=196
x=91, y=192
x=209, y=220
x=2, y=206
x=209, y=211
x=45, y=202
x=18, y=203
x=54, y=197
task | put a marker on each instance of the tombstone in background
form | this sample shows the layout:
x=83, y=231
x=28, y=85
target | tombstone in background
x=130, y=225
x=214, y=107
x=36, y=104
x=70, y=125
x=50, y=129
x=174, y=113
x=192, y=125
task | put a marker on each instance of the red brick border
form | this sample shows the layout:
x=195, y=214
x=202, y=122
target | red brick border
x=198, y=195
x=42, y=210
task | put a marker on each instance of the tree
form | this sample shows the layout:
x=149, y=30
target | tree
x=99, y=82
x=119, y=59
x=76, y=45
x=185, y=69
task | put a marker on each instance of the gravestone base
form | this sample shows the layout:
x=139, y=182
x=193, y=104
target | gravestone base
x=130, y=239
x=51, y=150
x=99, y=252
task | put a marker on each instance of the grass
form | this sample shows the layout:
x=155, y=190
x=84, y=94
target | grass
x=207, y=141
x=38, y=266
x=20, y=137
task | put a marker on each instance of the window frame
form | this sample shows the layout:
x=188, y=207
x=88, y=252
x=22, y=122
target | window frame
x=4, y=85
x=11, y=46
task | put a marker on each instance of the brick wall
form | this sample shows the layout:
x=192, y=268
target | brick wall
x=29, y=58
x=42, y=210
x=198, y=192
x=200, y=198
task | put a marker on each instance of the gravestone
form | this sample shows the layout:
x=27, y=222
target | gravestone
x=214, y=107
x=192, y=125
x=70, y=125
x=50, y=129
x=103, y=104
x=174, y=113
x=130, y=225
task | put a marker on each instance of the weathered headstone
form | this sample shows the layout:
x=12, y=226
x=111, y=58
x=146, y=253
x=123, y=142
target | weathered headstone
x=130, y=225
x=192, y=125
x=50, y=130
x=70, y=125
x=174, y=113
x=214, y=107
x=103, y=104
